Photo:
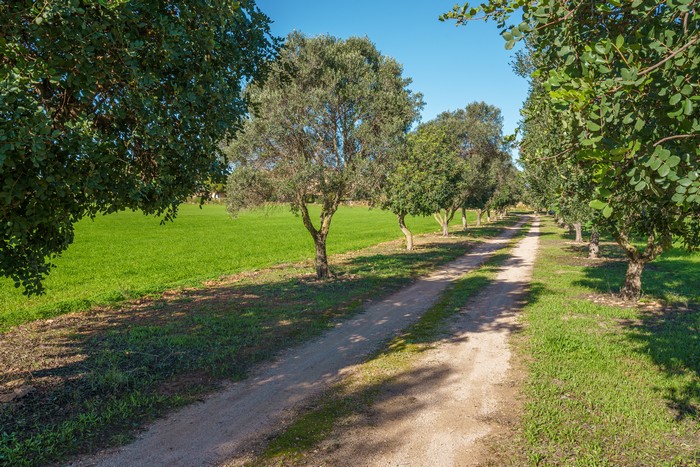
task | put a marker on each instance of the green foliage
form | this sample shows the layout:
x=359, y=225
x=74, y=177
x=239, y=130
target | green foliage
x=326, y=121
x=458, y=160
x=622, y=78
x=112, y=105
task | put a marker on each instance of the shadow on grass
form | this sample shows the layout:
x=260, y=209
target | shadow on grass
x=91, y=378
x=396, y=395
x=668, y=333
x=671, y=338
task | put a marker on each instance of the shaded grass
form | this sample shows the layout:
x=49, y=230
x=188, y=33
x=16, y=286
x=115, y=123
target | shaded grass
x=610, y=384
x=94, y=377
x=128, y=255
x=354, y=396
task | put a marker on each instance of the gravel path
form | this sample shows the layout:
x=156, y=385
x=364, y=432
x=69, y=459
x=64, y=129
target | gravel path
x=227, y=423
x=459, y=394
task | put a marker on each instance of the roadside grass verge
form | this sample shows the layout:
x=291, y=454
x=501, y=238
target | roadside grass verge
x=345, y=404
x=82, y=381
x=128, y=255
x=609, y=383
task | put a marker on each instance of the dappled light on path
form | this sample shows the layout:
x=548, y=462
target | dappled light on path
x=226, y=424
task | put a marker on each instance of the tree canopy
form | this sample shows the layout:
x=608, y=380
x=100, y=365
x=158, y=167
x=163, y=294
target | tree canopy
x=325, y=123
x=623, y=78
x=112, y=105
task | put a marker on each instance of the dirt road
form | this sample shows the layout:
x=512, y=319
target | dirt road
x=456, y=396
x=226, y=424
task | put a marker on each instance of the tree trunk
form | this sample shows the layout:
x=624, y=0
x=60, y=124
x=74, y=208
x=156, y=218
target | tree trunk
x=319, y=236
x=464, y=219
x=479, y=212
x=406, y=232
x=577, y=229
x=488, y=215
x=594, y=245
x=445, y=229
x=632, y=289
x=321, y=259
x=444, y=220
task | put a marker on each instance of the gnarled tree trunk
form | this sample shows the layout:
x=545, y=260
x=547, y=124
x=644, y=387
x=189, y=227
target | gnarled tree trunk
x=488, y=215
x=464, y=219
x=479, y=213
x=594, y=245
x=407, y=233
x=577, y=230
x=632, y=288
x=319, y=235
x=321, y=259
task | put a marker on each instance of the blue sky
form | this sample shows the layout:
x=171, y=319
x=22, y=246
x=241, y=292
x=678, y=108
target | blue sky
x=450, y=65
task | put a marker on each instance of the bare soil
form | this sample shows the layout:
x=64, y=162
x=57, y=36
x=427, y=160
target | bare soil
x=225, y=425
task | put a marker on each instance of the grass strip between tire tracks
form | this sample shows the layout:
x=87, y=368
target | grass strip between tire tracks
x=356, y=393
x=89, y=380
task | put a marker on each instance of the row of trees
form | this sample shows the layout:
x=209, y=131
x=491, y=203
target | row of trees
x=331, y=122
x=612, y=122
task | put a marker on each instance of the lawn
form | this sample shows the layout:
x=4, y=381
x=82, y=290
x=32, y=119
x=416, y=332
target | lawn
x=609, y=383
x=126, y=255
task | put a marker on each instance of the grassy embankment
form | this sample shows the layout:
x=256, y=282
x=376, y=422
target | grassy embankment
x=128, y=255
x=89, y=379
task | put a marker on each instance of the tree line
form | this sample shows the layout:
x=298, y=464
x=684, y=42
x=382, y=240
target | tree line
x=106, y=106
x=331, y=121
x=612, y=122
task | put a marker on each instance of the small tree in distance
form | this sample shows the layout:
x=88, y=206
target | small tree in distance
x=325, y=122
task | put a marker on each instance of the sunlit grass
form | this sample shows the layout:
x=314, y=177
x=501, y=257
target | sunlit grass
x=127, y=255
x=611, y=384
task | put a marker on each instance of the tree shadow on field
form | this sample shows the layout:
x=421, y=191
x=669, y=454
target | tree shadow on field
x=82, y=381
x=668, y=328
x=671, y=338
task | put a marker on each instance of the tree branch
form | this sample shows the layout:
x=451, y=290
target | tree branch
x=669, y=138
x=673, y=54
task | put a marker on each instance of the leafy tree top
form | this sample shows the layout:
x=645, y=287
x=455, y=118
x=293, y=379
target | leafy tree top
x=109, y=105
x=325, y=123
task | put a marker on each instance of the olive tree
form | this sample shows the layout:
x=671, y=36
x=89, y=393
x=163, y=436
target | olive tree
x=326, y=121
x=476, y=145
x=424, y=177
x=112, y=105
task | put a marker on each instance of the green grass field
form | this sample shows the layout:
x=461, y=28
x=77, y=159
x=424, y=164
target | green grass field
x=127, y=255
x=94, y=378
x=610, y=384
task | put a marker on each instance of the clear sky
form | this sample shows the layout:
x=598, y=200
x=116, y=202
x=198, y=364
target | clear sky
x=450, y=65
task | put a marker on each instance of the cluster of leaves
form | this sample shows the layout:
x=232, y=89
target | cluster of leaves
x=112, y=105
x=622, y=77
